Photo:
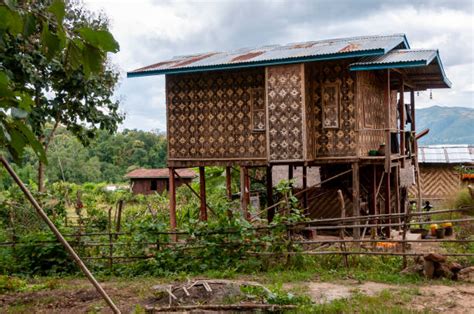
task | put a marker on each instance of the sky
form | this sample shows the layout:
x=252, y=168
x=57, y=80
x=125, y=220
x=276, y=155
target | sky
x=150, y=31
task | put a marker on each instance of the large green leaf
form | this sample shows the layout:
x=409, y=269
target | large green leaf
x=73, y=55
x=10, y=20
x=92, y=59
x=58, y=8
x=5, y=91
x=100, y=39
x=32, y=140
x=51, y=42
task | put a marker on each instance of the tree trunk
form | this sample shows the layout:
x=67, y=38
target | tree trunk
x=40, y=176
x=45, y=142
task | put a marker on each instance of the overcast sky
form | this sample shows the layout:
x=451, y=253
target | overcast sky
x=151, y=31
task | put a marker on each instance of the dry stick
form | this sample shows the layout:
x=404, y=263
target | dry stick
x=300, y=192
x=341, y=232
x=58, y=235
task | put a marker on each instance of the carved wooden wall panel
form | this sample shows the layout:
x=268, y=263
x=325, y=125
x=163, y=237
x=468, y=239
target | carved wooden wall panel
x=339, y=138
x=285, y=85
x=371, y=110
x=210, y=116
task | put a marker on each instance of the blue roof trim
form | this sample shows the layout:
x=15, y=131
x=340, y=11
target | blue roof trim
x=391, y=65
x=344, y=55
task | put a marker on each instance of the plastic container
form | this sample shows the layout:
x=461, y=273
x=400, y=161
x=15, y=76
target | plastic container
x=448, y=229
x=433, y=229
x=440, y=233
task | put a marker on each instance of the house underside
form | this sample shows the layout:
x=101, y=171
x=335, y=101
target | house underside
x=344, y=105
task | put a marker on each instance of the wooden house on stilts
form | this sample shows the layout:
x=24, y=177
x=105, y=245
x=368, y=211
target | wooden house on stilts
x=345, y=105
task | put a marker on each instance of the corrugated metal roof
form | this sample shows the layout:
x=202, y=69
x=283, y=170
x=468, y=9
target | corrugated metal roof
x=399, y=56
x=275, y=54
x=158, y=173
x=424, y=67
x=446, y=154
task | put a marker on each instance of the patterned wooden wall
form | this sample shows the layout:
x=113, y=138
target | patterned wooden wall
x=285, y=95
x=371, y=87
x=371, y=100
x=210, y=117
x=331, y=112
x=438, y=181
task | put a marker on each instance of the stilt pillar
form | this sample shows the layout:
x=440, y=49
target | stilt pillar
x=228, y=182
x=202, y=188
x=305, y=186
x=388, y=203
x=356, y=197
x=271, y=211
x=172, y=197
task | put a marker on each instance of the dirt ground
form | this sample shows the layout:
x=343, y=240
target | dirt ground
x=76, y=296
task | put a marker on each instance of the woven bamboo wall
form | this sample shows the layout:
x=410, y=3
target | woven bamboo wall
x=216, y=118
x=286, y=110
x=370, y=110
x=438, y=181
x=331, y=112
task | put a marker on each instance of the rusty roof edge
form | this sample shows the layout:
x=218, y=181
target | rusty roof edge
x=333, y=56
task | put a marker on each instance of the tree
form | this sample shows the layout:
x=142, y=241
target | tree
x=54, y=69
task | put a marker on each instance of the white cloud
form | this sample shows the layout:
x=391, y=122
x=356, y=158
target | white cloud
x=151, y=31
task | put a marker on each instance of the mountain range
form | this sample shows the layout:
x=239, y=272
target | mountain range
x=448, y=125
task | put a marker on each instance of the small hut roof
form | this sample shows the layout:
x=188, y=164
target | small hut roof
x=161, y=173
x=446, y=154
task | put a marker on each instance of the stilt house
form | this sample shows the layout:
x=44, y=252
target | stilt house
x=345, y=105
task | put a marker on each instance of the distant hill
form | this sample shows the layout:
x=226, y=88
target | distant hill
x=448, y=125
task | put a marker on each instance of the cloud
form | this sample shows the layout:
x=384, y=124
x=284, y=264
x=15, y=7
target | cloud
x=150, y=31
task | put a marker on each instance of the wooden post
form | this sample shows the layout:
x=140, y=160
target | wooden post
x=355, y=197
x=396, y=183
x=202, y=189
x=119, y=218
x=415, y=150
x=111, y=242
x=342, y=230
x=388, y=144
x=271, y=211
x=172, y=196
x=373, y=199
x=59, y=236
x=305, y=186
x=228, y=182
x=388, y=201
x=245, y=191
x=290, y=172
x=401, y=109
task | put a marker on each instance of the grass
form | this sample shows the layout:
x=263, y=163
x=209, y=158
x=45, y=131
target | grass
x=384, y=302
